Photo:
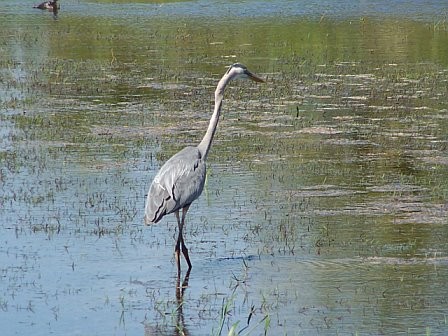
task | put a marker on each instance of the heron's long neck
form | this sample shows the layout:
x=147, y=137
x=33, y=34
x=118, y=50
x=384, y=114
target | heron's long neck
x=206, y=142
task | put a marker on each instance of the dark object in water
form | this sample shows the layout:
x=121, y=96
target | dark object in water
x=51, y=5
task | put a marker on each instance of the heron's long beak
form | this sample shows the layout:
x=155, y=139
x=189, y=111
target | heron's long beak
x=254, y=77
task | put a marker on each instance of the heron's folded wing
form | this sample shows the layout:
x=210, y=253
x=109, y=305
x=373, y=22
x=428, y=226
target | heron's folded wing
x=177, y=184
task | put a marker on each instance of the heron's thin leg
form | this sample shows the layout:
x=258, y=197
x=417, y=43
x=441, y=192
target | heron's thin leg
x=184, y=248
x=177, y=247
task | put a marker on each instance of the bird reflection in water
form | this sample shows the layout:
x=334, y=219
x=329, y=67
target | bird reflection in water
x=179, y=329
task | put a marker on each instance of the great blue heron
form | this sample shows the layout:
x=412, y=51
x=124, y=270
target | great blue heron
x=181, y=179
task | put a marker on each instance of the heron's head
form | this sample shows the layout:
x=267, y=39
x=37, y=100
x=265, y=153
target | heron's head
x=238, y=70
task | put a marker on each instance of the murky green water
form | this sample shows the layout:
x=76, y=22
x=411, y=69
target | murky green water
x=325, y=208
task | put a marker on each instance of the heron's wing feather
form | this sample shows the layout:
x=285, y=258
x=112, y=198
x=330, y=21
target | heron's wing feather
x=177, y=184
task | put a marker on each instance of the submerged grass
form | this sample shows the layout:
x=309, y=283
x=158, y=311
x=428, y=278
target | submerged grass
x=229, y=305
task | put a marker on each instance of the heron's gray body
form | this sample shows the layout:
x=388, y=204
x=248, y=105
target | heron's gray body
x=178, y=183
x=181, y=179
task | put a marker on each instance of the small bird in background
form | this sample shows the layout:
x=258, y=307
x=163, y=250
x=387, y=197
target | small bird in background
x=181, y=179
x=51, y=5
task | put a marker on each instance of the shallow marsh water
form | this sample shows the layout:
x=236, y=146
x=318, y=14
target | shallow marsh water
x=325, y=206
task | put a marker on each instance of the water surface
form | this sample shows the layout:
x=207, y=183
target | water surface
x=325, y=205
